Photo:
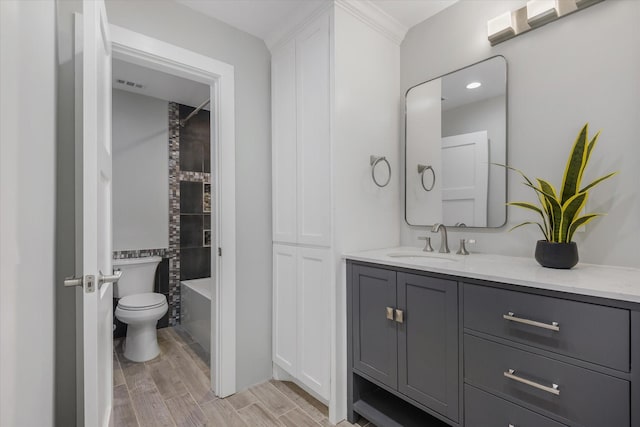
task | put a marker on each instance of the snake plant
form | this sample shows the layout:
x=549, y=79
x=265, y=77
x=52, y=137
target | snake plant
x=560, y=212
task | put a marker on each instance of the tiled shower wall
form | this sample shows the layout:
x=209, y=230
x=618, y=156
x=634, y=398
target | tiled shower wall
x=189, y=202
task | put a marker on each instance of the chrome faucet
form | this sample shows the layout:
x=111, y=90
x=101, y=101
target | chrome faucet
x=444, y=244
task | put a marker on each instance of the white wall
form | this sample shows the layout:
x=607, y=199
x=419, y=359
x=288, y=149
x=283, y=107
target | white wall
x=27, y=217
x=366, y=122
x=488, y=114
x=581, y=68
x=140, y=172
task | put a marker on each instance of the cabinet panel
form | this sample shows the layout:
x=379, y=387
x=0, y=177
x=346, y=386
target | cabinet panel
x=589, y=332
x=483, y=409
x=428, y=342
x=314, y=340
x=374, y=335
x=584, y=397
x=285, y=307
x=283, y=83
x=313, y=134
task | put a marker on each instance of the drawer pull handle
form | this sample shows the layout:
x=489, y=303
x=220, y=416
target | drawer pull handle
x=554, y=389
x=389, y=313
x=554, y=326
x=399, y=316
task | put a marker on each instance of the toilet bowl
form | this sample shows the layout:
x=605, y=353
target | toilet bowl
x=139, y=307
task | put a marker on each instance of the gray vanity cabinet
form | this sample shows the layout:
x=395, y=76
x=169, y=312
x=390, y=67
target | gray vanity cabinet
x=428, y=342
x=375, y=336
x=405, y=335
x=432, y=350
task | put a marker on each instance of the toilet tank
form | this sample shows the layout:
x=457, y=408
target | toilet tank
x=138, y=275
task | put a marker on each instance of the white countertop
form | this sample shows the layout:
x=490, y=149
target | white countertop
x=619, y=283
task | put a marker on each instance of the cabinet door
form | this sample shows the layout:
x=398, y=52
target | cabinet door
x=313, y=134
x=283, y=84
x=428, y=342
x=314, y=340
x=285, y=283
x=374, y=334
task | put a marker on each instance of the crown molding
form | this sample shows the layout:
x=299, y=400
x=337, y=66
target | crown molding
x=295, y=24
x=364, y=10
x=376, y=18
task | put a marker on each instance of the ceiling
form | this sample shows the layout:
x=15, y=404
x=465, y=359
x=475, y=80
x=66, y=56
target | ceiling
x=490, y=73
x=158, y=84
x=265, y=18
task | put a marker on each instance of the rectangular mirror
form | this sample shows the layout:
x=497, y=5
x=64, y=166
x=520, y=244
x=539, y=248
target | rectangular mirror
x=456, y=127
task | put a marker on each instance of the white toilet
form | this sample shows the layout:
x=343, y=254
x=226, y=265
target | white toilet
x=139, y=307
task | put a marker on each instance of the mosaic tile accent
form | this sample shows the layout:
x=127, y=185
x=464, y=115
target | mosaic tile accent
x=174, y=214
x=195, y=176
x=206, y=198
x=140, y=253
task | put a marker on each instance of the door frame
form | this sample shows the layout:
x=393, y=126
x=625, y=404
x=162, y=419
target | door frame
x=142, y=50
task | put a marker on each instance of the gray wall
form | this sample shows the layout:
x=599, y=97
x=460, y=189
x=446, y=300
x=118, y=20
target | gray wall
x=140, y=191
x=179, y=25
x=65, y=326
x=488, y=114
x=582, y=68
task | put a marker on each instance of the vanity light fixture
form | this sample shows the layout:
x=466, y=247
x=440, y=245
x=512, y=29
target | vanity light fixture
x=501, y=28
x=540, y=12
x=474, y=85
x=584, y=3
x=535, y=14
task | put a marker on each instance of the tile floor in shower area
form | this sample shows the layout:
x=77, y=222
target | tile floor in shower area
x=173, y=390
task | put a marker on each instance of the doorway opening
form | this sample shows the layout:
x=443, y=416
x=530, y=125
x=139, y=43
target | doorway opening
x=200, y=202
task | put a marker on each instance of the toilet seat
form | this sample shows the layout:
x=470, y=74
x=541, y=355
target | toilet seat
x=138, y=302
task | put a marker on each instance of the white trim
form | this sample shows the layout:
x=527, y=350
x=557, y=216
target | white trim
x=364, y=10
x=142, y=50
x=295, y=25
x=376, y=18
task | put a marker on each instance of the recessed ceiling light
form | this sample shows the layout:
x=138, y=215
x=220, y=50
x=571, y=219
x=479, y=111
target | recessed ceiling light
x=474, y=85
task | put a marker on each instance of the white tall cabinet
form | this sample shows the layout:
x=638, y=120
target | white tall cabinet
x=335, y=101
x=302, y=206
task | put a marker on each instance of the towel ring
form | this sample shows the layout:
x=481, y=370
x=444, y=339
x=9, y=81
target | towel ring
x=421, y=170
x=374, y=160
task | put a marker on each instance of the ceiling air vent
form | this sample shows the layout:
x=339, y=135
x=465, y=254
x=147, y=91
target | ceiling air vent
x=129, y=84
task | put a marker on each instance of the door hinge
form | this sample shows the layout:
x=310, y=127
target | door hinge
x=219, y=251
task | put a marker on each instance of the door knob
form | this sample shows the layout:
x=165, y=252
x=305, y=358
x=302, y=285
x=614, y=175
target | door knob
x=109, y=278
x=73, y=281
x=88, y=280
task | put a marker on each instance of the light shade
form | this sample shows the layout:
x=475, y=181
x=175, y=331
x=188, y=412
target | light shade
x=542, y=11
x=500, y=28
x=584, y=3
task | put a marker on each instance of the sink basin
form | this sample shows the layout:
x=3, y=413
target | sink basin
x=423, y=255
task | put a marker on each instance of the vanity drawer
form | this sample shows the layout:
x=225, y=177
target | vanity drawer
x=482, y=409
x=589, y=332
x=584, y=397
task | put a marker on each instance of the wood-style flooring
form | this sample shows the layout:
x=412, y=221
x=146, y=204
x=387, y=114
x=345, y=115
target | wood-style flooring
x=173, y=390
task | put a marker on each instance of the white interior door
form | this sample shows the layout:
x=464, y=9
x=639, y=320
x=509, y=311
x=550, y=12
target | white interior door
x=93, y=178
x=465, y=177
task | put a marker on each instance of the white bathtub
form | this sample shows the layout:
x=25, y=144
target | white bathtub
x=196, y=310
